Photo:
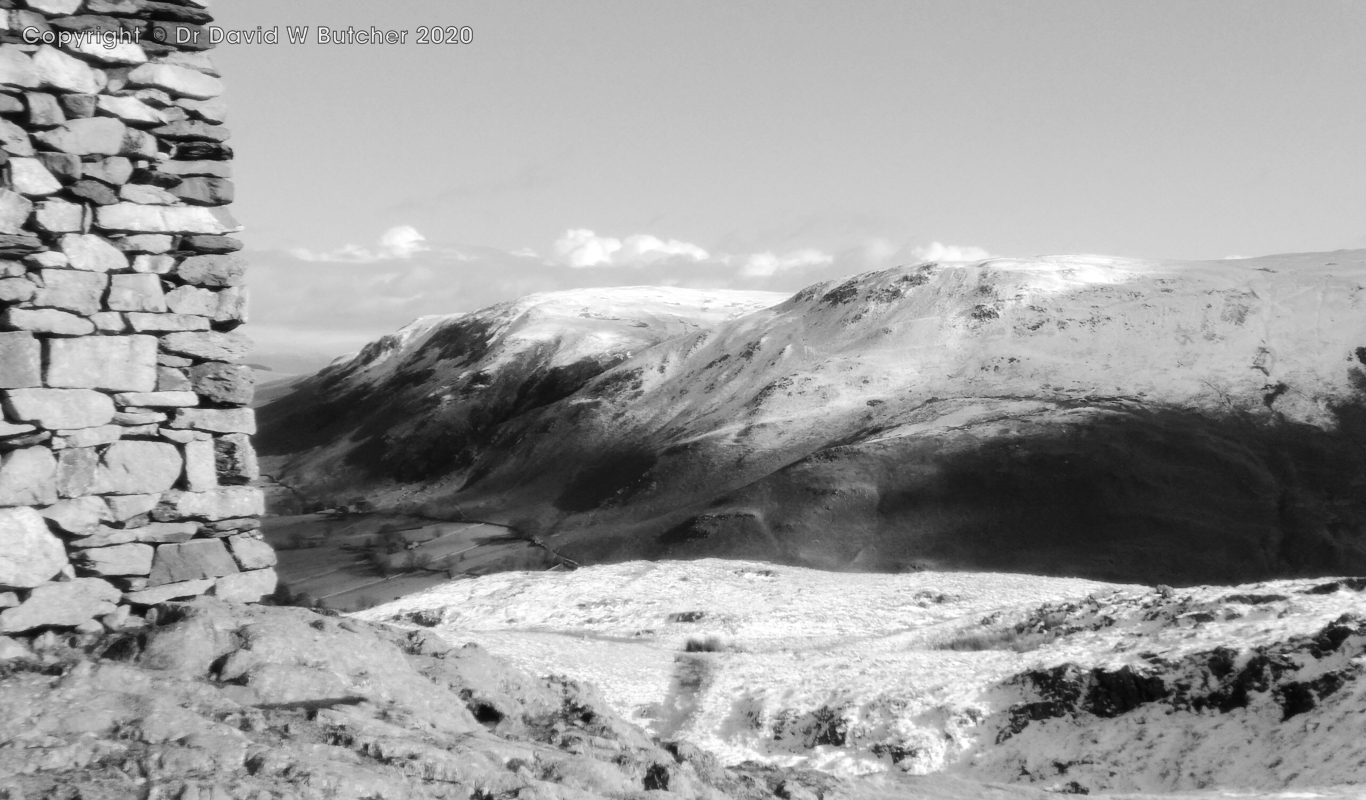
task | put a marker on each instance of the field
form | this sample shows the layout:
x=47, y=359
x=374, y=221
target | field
x=349, y=562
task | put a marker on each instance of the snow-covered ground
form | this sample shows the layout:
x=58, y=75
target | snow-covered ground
x=1060, y=683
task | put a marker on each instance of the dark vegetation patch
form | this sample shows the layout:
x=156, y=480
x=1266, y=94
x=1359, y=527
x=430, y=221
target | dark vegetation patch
x=1350, y=584
x=609, y=478
x=844, y=293
x=1219, y=680
x=710, y=644
x=1135, y=495
x=687, y=616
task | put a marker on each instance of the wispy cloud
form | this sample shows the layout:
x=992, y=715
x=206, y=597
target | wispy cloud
x=949, y=252
x=767, y=264
x=399, y=242
x=582, y=248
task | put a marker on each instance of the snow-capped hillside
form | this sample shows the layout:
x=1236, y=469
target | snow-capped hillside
x=1099, y=417
x=1063, y=684
x=416, y=404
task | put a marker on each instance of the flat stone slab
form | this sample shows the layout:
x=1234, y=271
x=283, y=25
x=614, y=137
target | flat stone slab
x=121, y=559
x=251, y=552
x=60, y=409
x=246, y=587
x=169, y=591
x=188, y=561
x=113, y=363
x=21, y=361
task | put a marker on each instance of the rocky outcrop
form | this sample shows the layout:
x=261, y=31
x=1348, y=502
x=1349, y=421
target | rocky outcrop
x=217, y=700
x=123, y=409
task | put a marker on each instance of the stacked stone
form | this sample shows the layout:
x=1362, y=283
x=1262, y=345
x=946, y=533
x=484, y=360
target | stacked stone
x=125, y=462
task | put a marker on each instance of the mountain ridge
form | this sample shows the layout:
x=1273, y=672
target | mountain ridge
x=1070, y=414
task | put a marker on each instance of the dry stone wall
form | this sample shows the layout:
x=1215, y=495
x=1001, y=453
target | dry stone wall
x=125, y=459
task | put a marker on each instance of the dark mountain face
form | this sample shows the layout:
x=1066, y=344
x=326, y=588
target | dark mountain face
x=1125, y=421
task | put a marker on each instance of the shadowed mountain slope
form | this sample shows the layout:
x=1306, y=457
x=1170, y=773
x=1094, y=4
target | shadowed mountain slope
x=1114, y=419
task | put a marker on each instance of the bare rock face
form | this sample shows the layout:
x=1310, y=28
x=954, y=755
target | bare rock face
x=246, y=587
x=65, y=604
x=29, y=554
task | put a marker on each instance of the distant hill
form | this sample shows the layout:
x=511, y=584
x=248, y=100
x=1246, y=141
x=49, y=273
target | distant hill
x=1115, y=419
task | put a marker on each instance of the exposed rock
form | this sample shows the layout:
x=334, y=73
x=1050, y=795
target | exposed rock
x=71, y=290
x=166, y=323
x=192, y=129
x=19, y=244
x=170, y=591
x=65, y=166
x=138, y=467
x=236, y=459
x=205, y=191
x=127, y=506
x=211, y=244
x=46, y=320
x=43, y=110
x=213, y=270
x=246, y=587
x=80, y=516
x=109, y=322
x=13, y=139
x=17, y=69
x=28, y=477
x=192, y=560
x=20, y=361
x=11, y=651
x=178, y=81
x=208, y=345
x=60, y=216
x=147, y=194
x=224, y=503
x=95, y=136
x=30, y=177
x=121, y=559
x=251, y=552
x=115, y=170
x=94, y=191
x=114, y=363
x=179, y=399
x=29, y=554
x=131, y=110
x=153, y=264
x=61, y=71
x=61, y=604
x=232, y=305
x=59, y=409
x=78, y=106
x=229, y=384
x=201, y=471
x=213, y=169
x=151, y=533
x=136, y=292
x=93, y=253
x=76, y=471
x=14, y=211
x=17, y=290
x=90, y=437
x=216, y=420
x=192, y=300
x=171, y=379
x=211, y=110
x=165, y=219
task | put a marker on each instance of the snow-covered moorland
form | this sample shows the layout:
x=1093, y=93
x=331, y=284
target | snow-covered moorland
x=1059, y=683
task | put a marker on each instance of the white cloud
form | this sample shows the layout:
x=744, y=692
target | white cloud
x=765, y=264
x=400, y=241
x=580, y=248
x=949, y=252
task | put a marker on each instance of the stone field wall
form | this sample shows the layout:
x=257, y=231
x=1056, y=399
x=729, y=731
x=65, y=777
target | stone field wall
x=125, y=459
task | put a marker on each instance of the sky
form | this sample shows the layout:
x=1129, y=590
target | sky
x=769, y=145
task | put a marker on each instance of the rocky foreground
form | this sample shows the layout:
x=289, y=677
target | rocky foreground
x=207, y=700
